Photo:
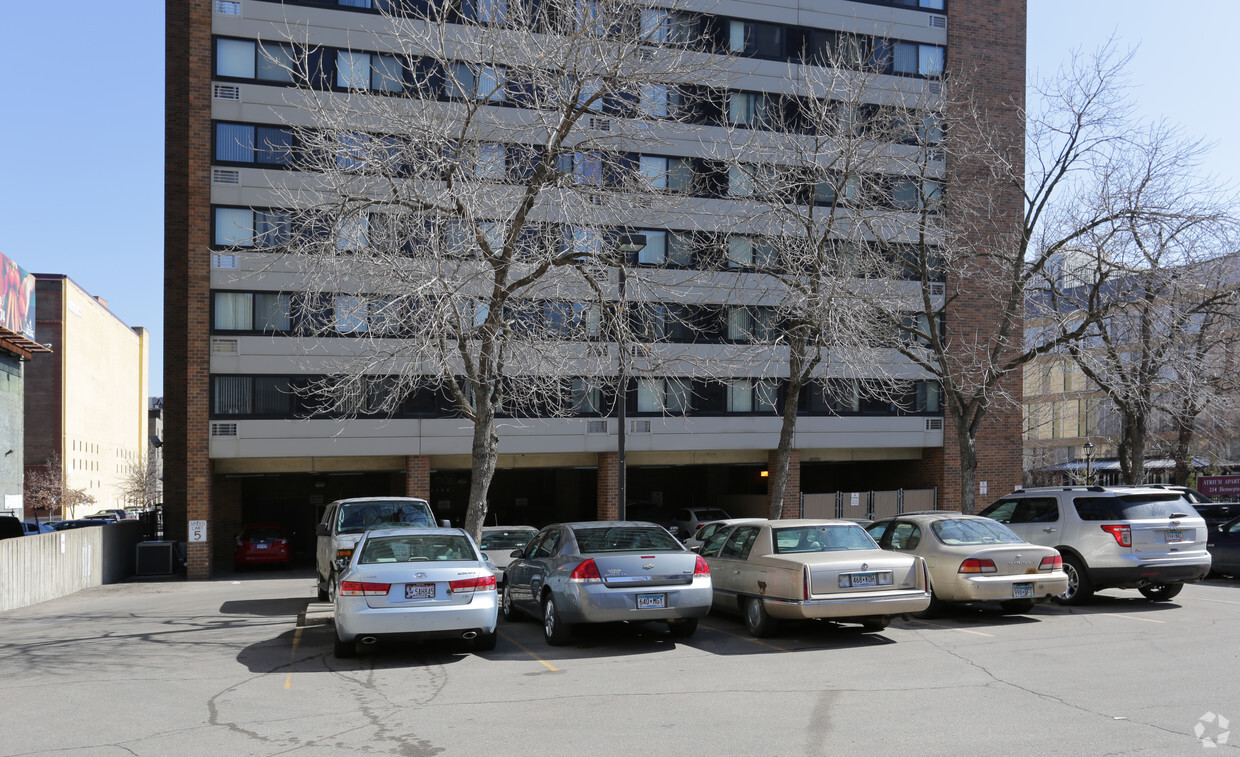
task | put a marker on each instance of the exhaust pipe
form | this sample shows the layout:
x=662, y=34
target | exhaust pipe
x=469, y=635
x=368, y=640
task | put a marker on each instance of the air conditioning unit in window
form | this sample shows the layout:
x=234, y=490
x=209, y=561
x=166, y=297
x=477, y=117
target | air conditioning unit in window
x=225, y=176
x=938, y=22
x=224, y=346
x=934, y=424
x=223, y=429
x=600, y=124
x=639, y=427
x=596, y=427
x=223, y=261
x=937, y=289
x=226, y=91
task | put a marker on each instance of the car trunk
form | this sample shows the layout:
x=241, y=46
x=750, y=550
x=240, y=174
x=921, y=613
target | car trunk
x=1156, y=538
x=862, y=571
x=646, y=568
x=417, y=585
x=1011, y=560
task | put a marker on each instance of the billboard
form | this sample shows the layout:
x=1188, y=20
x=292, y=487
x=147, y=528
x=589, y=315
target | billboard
x=16, y=299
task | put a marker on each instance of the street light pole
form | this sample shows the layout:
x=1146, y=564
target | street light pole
x=1089, y=452
x=626, y=244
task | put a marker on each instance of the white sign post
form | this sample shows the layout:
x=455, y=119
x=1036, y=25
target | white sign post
x=197, y=531
x=981, y=487
x=856, y=499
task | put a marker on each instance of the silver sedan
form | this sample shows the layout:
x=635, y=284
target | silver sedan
x=415, y=584
x=606, y=571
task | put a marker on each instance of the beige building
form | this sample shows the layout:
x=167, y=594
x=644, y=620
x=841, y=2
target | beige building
x=86, y=403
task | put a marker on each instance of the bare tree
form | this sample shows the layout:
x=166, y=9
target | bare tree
x=47, y=490
x=460, y=203
x=142, y=484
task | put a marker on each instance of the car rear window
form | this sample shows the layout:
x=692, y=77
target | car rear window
x=968, y=531
x=417, y=548
x=624, y=539
x=1131, y=507
x=356, y=517
x=704, y=515
x=506, y=539
x=825, y=538
x=261, y=533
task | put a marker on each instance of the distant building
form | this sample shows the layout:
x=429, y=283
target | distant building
x=17, y=347
x=87, y=401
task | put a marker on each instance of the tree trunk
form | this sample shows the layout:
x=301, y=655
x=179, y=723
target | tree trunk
x=1185, y=431
x=1132, y=450
x=783, y=453
x=485, y=453
x=968, y=467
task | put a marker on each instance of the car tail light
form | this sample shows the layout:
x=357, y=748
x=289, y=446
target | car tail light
x=974, y=565
x=805, y=582
x=1122, y=534
x=1051, y=563
x=359, y=589
x=477, y=583
x=699, y=527
x=586, y=572
x=700, y=568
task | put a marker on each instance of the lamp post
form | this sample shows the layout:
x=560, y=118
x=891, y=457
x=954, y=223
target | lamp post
x=1089, y=453
x=626, y=244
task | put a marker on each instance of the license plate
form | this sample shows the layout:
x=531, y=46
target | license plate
x=419, y=591
x=261, y=546
x=862, y=580
x=1022, y=591
x=1174, y=535
x=651, y=601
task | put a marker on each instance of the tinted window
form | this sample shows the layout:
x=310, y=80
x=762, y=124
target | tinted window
x=961, y=531
x=825, y=538
x=422, y=547
x=1131, y=507
x=711, y=545
x=624, y=539
x=905, y=536
x=549, y=544
x=357, y=517
x=739, y=543
x=709, y=515
x=1023, y=510
x=875, y=530
x=505, y=539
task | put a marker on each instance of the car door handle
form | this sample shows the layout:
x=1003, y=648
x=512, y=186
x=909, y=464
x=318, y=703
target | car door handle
x=1048, y=530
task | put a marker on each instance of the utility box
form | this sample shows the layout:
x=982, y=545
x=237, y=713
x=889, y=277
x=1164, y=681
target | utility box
x=156, y=558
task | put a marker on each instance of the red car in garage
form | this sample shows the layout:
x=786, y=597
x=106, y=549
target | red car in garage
x=264, y=544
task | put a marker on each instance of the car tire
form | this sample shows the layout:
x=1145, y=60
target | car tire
x=555, y=630
x=1016, y=606
x=321, y=590
x=1160, y=592
x=682, y=629
x=872, y=625
x=1080, y=588
x=344, y=649
x=934, y=609
x=511, y=614
x=483, y=642
x=757, y=619
x=333, y=585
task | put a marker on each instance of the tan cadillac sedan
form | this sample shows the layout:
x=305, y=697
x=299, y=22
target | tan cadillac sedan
x=774, y=570
x=974, y=559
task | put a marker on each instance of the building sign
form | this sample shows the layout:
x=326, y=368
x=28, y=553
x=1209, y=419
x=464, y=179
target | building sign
x=1225, y=487
x=16, y=299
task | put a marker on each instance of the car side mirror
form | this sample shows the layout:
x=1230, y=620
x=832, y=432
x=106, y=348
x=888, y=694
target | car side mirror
x=516, y=553
x=445, y=523
x=322, y=529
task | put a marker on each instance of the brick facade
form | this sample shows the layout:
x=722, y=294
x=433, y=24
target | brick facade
x=187, y=270
x=792, y=487
x=418, y=476
x=608, y=485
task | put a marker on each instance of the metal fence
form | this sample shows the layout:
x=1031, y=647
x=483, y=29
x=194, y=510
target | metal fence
x=870, y=505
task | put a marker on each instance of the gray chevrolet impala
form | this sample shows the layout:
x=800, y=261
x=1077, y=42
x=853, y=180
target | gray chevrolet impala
x=606, y=571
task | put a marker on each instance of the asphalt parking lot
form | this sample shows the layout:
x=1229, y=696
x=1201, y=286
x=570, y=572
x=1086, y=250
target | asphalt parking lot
x=224, y=667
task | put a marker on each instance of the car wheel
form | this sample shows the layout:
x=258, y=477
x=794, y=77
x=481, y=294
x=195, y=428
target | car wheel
x=934, y=609
x=1017, y=606
x=556, y=631
x=344, y=649
x=333, y=584
x=682, y=629
x=483, y=642
x=1160, y=592
x=757, y=620
x=1080, y=588
x=510, y=613
x=872, y=625
x=321, y=590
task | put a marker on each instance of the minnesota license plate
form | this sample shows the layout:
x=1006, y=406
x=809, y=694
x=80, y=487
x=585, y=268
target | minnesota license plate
x=1022, y=591
x=261, y=546
x=862, y=580
x=1174, y=535
x=651, y=601
x=419, y=591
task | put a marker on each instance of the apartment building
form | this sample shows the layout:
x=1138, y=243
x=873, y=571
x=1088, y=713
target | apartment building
x=85, y=403
x=241, y=442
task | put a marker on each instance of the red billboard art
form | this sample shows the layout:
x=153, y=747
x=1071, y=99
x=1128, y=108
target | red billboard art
x=1226, y=487
x=16, y=299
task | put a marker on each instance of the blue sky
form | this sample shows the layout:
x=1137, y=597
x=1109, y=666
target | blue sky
x=81, y=192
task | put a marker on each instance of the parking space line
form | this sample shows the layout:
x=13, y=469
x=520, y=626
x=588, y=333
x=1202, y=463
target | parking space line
x=746, y=638
x=975, y=633
x=526, y=649
x=1129, y=617
x=288, y=679
x=1220, y=601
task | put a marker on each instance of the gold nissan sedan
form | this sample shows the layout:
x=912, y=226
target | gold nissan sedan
x=974, y=559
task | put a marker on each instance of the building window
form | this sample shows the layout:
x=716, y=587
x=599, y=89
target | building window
x=369, y=71
x=244, y=227
x=751, y=324
x=753, y=109
x=470, y=82
x=247, y=143
x=251, y=395
x=492, y=162
x=247, y=59
x=668, y=395
x=263, y=312
x=486, y=11
x=756, y=39
x=655, y=251
x=586, y=397
x=751, y=252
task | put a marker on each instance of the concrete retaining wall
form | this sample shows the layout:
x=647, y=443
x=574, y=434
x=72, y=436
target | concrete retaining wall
x=46, y=566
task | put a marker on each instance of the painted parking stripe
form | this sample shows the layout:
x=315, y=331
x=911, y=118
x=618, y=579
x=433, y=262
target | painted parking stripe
x=526, y=649
x=288, y=679
x=1131, y=617
x=916, y=623
x=759, y=642
x=1220, y=601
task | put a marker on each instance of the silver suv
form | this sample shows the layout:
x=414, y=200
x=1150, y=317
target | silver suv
x=344, y=522
x=1118, y=537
